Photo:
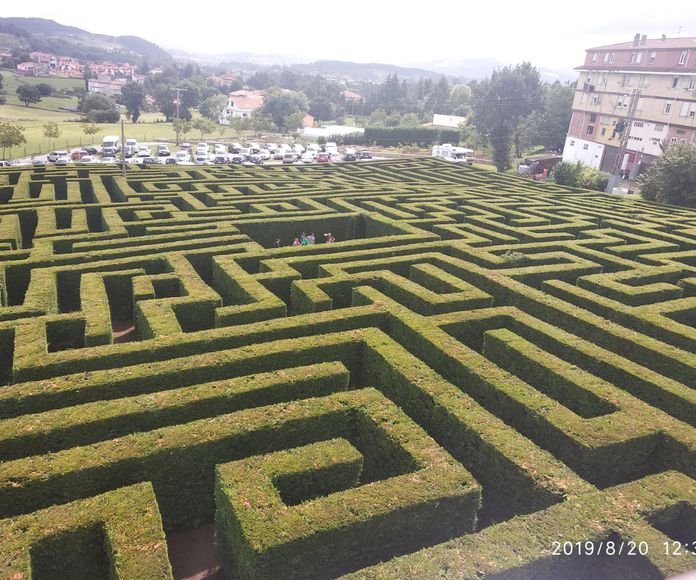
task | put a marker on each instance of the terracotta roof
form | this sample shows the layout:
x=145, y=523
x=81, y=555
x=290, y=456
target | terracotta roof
x=651, y=43
x=247, y=100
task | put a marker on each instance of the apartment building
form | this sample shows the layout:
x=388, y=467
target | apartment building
x=646, y=88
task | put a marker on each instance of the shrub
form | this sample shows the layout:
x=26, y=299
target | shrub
x=672, y=178
x=579, y=175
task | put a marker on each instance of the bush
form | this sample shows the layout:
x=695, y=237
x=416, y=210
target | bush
x=672, y=178
x=108, y=116
x=579, y=175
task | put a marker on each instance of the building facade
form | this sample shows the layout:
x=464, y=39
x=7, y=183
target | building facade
x=646, y=88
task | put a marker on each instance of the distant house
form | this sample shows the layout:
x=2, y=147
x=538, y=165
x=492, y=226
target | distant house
x=349, y=95
x=104, y=87
x=241, y=103
x=450, y=121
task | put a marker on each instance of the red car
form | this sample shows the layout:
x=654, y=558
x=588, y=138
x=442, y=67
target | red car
x=323, y=158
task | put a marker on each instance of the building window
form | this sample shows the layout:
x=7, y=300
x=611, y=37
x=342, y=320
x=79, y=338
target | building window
x=605, y=119
x=633, y=58
x=691, y=85
x=673, y=140
x=681, y=131
x=639, y=56
x=659, y=127
x=668, y=108
x=593, y=117
x=675, y=82
x=611, y=57
x=590, y=129
x=596, y=99
x=579, y=126
x=641, y=81
x=651, y=60
x=594, y=57
x=626, y=81
x=585, y=147
x=604, y=131
x=572, y=143
x=606, y=57
x=603, y=79
x=638, y=124
x=684, y=109
x=683, y=57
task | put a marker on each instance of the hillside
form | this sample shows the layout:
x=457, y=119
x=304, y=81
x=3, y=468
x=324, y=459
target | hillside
x=49, y=36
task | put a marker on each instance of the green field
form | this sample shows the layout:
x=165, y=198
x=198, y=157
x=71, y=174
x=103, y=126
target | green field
x=150, y=127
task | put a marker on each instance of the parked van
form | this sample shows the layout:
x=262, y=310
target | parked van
x=452, y=153
x=111, y=142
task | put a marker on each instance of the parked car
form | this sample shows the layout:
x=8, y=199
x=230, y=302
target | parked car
x=91, y=149
x=185, y=147
x=219, y=149
x=538, y=167
x=78, y=154
x=182, y=156
x=163, y=151
x=322, y=157
x=108, y=159
x=265, y=154
x=110, y=151
x=289, y=157
x=202, y=159
x=143, y=151
x=349, y=155
x=53, y=155
x=170, y=161
x=63, y=160
x=87, y=159
x=133, y=143
x=129, y=151
x=234, y=148
x=237, y=158
x=365, y=154
x=256, y=159
x=38, y=161
x=298, y=148
x=221, y=159
x=150, y=161
x=307, y=157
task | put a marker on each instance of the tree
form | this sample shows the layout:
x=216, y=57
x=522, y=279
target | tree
x=90, y=129
x=259, y=121
x=205, y=126
x=51, y=131
x=213, y=107
x=295, y=121
x=280, y=105
x=260, y=80
x=133, y=97
x=28, y=94
x=410, y=120
x=45, y=90
x=240, y=124
x=672, y=177
x=460, y=100
x=11, y=136
x=96, y=101
x=437, y=100
x=322, y=109
x=184, y=126
x=549, y=126
x=378, y=119
x=500, y=103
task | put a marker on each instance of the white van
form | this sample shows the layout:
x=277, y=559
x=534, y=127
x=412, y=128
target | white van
x=111, y=142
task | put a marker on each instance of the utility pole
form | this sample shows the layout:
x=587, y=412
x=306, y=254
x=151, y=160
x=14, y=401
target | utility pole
x=123, y=153
x=178, y=122
x=632, y=106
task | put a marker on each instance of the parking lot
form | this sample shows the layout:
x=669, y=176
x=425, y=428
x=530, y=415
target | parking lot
x=201, y=153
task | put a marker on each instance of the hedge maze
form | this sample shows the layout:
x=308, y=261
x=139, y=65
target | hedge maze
x=483, y=376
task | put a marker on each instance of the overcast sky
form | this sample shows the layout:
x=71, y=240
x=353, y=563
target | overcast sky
x=541, y=31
